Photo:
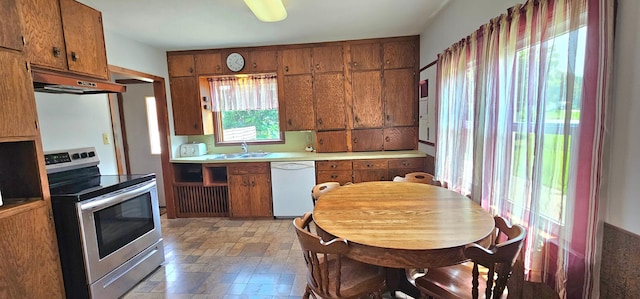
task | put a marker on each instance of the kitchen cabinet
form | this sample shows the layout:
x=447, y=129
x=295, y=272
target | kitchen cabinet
x=400, y=138
x=399, y=54
x=296, y=61
x=29, y=257
x=327, y=59
x=181, y=65
x=64, y=35
x=206, y=63
x=370, y=170
x=367, y=140
x=11, y=33
x=400, y=167
x=334, y=171
x=400, y=101
x=262, y=61
x=329, y=101
x=298, y=93
x=250, y=190
x=331, y=141
x=17, y=100
x=367, y=99
x=366, y=56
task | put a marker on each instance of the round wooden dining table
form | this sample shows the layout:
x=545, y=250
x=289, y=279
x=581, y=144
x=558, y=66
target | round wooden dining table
x=402, y=225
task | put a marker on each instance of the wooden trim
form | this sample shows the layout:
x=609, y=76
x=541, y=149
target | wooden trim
x=426, y=142
x=112, y=110
x=125, y=143
x=429, y=65
x=160, y=93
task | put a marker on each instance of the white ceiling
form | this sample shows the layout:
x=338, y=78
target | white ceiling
x=206, y=24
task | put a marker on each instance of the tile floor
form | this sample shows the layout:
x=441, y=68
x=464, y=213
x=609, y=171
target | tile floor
x=224, y=258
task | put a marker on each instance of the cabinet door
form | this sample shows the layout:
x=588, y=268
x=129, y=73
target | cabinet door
x=206, y=64
x=17, y=101
x=260, y=196
x=401, y=138
x=400, y=167
x=262, y=61
x=367, y=140
x=400, y=102
x=367, y=99
x=181, y=65
x=329, y=101
x=399, y=54
x=340, y=176
x=185, y=102
x=296, y=61
x=11, y=33
x=239, y=196
x=331, y=141
x=29, y=257
x=328, y=59
x=366, y=56
x=369, y=170
x=84, y=39
x=42, y=25
x=298, y=99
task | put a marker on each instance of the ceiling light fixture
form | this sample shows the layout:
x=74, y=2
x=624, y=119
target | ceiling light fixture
x=267, y=10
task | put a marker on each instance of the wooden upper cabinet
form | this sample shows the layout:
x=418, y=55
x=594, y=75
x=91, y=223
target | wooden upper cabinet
x=17, y=103
x=329, y=101
x=296, y=61
x=298, y=99
x=11, y=33
x=206, y=64
x=367, y=140
x=181, y=65
x=185, y=102
x=328, y=59
x=84, y=39
x=366, y=56
x=367, y=99
x=400, y=97
x=399, y=54
x=262, y=61
x=401, y=138
x=44, y=41
x=331, y=141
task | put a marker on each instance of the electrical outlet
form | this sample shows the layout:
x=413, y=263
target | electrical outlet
x=105, y=138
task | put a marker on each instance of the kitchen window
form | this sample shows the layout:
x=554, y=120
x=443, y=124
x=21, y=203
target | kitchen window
x=152, y=124
x=245, y=108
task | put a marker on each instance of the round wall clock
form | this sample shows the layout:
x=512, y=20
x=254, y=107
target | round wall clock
x=235, y=62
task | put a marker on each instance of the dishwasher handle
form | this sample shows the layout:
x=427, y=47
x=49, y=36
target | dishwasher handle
x=292, y=165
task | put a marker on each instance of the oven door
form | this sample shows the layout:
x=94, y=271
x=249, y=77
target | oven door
x=117, y=226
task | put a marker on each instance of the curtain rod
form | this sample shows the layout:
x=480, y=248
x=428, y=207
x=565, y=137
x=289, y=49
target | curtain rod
x=428, y=65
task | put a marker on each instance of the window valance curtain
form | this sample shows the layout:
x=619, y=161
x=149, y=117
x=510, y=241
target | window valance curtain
x=252, y=92
x=521, y=114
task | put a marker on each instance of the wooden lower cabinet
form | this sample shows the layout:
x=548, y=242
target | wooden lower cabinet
x=366, y=170
x=334, y=171
x=400, y=167
x=29, y=257
x=250, y=190
x=370, y=170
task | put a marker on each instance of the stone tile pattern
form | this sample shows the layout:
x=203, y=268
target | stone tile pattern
x=227, y=258
x=620, y=269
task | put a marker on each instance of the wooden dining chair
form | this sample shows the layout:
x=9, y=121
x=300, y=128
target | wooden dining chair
x=416, y=177
x=463, y=281
x=321, y=189
x=329, y=273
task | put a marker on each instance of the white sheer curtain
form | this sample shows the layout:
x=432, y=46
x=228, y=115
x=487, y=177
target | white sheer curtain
x=244, y=92
x=537, y=87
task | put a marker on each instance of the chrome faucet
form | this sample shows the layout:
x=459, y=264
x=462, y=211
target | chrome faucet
x=245, y=147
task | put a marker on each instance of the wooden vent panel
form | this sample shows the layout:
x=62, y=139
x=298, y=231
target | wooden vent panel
x=199, y=201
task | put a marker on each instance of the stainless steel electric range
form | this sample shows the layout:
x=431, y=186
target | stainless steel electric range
x=108, y=226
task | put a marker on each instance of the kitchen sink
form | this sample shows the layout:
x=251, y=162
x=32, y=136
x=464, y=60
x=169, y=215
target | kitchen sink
x=238, y=155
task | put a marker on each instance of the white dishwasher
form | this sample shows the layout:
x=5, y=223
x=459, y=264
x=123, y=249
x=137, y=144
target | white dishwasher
x=291, y=184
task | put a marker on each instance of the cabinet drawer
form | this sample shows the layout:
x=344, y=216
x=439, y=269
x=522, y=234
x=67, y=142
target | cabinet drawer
x=249, y=168
x=333, y=165
x=370, y=164
x=340, y=176
x=407, y=163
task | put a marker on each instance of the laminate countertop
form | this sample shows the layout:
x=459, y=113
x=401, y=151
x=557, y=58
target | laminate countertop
x=299, y=156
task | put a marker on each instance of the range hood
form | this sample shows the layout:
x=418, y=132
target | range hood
x=56, y=82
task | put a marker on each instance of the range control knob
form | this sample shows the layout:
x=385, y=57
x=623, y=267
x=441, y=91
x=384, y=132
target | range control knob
x=92, y=154
x=75, y=156
x=83, y=155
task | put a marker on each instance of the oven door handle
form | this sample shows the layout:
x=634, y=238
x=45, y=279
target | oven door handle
x=120, y=196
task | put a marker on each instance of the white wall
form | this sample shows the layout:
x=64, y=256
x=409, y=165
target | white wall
x=622, y=162
x=72, y=121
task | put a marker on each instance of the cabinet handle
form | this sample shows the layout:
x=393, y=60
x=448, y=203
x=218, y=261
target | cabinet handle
x=290, y=122
x=286, y=68
x=357, y=119
x=56, y=52
x=253, y=183
x=255, y=65
x=317, y=66
x=74, y=56
x=405, y=164
x=244, y=184
x=191, y=70
x=355, y=140
x=320, y=120
x=387, y=139
x=334, y=165
x=388, y=62
x=382, y=178
x=195, y=126
x=355, y=63
x=333, y=176
x=388, y=117
x=321, y=141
